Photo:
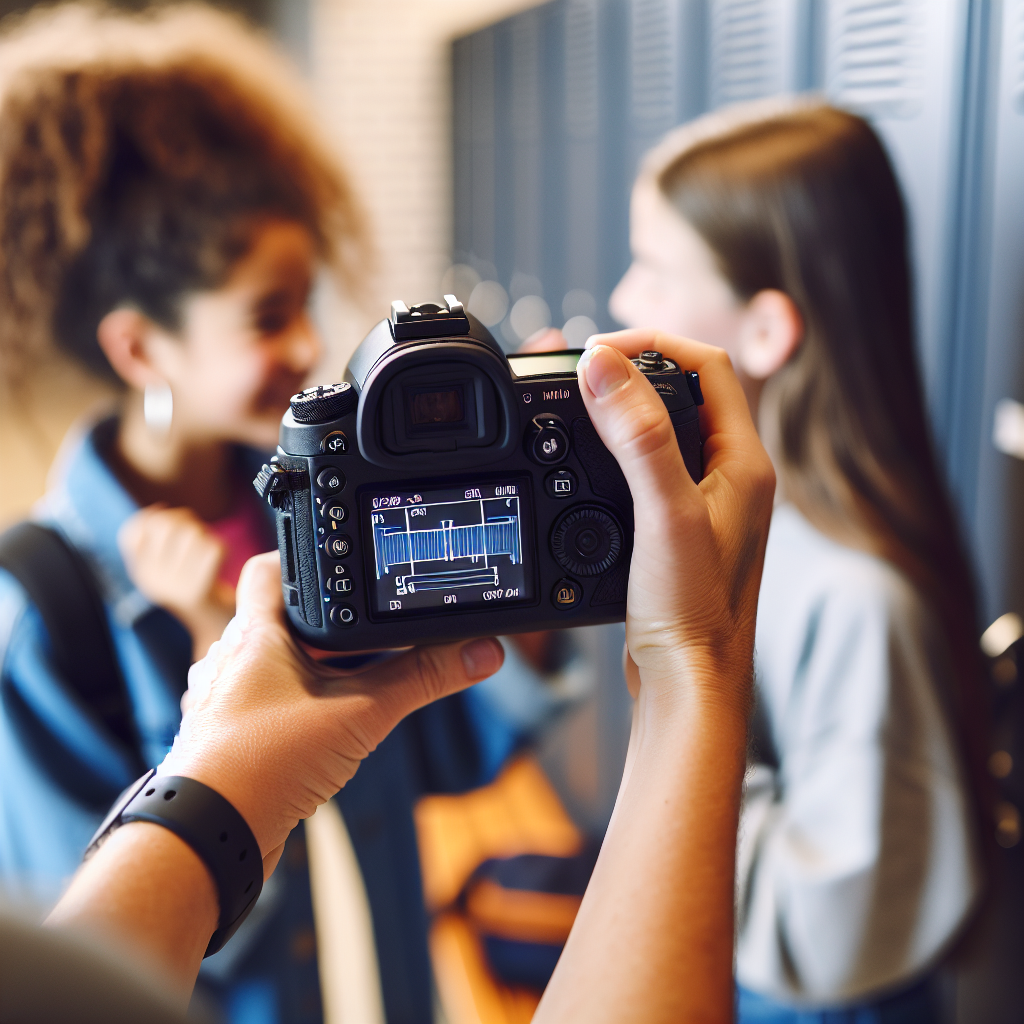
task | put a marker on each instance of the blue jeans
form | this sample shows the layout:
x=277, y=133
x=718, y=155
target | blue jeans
x=920, y=1004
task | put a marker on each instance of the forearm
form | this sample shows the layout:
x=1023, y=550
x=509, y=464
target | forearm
x=149, y=893
x=654, y=936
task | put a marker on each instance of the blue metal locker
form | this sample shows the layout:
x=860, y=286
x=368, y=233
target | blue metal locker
x=592, y=84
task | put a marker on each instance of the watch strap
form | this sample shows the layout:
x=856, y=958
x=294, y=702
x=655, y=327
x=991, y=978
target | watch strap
x=211, y=826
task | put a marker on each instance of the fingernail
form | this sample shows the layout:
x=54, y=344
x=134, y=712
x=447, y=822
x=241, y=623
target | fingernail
x=605, y=370
x=480, y=659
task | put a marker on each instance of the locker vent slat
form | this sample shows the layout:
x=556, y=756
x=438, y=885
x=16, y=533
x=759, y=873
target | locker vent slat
x=877, y=56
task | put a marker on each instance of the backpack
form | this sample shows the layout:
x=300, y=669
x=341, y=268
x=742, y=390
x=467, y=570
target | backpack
x=60, y=584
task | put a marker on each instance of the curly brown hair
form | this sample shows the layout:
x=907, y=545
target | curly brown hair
x=138, y=153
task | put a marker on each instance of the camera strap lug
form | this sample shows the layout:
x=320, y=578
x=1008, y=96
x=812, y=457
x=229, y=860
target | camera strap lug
x=273, y=483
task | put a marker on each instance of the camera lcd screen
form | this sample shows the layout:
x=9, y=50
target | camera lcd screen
x=545, y=364
x=430, y=407
x=450, y=548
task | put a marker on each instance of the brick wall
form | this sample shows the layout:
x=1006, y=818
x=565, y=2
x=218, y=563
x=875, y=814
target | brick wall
x=380, y=71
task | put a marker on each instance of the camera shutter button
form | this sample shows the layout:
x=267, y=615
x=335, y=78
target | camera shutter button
x=548, y=440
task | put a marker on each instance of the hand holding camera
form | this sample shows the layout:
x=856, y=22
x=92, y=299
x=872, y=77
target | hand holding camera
x=445, y=490
x=691, y=539
x=277, y=733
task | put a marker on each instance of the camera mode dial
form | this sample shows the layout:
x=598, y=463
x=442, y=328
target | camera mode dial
x=586, y=541
x=324, y=403
x=547, y=439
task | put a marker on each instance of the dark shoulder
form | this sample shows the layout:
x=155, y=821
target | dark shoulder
x=48, y=975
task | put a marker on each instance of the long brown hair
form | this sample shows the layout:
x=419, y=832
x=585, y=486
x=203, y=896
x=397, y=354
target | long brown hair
x=138, y=153
x=806, y=202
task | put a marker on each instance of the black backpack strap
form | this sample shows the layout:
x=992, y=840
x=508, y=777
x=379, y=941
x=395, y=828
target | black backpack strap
x=62, y=587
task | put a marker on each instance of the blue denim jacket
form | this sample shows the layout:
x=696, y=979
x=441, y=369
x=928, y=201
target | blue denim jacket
x=453, y=745
x=43, y=831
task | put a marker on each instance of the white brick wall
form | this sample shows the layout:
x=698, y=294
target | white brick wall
x=380, y=71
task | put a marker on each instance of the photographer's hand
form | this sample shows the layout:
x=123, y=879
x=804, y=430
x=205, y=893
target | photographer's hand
x=276, y=734
x=653, y=938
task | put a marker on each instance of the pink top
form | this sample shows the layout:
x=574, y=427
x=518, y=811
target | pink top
x=245, y=533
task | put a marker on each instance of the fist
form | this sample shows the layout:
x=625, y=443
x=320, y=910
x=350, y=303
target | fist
x=173, y=559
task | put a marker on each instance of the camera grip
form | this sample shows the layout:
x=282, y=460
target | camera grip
x=691, y=447
x=303, y=563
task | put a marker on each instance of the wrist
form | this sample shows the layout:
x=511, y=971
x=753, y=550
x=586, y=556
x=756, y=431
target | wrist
x=230, y=779
x=717, y=684
x=209, y=825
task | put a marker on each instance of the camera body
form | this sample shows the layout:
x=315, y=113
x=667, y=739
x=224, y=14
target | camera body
x=445, y=490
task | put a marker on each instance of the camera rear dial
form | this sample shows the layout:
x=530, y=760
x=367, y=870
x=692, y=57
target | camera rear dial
x=587, y=541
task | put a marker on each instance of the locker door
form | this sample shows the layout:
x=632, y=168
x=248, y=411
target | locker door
x=474, y=150
x=991, y=989
x=668, y=43
x=759, y=48
x=901, y=63
x=997, y=325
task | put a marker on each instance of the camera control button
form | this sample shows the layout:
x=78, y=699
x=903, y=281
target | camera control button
x=330, y=479
x=339, y=584
x=324, y=403
x=336, y=513
x=548, y=439
x=343, y=615
x=566, y=594
x=335, y=443
x=586, y=541
x=561, y=484
x=338, y=546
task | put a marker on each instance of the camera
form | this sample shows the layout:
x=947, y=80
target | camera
x=446, y=490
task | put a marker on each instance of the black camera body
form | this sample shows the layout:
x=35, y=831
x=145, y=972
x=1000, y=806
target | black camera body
x=446, y=491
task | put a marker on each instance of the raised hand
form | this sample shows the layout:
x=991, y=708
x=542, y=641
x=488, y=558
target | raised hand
x=173, y=559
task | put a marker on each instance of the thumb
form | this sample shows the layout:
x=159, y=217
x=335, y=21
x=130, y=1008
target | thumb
x=424, y=674
x=258, y=597
x=633, y=422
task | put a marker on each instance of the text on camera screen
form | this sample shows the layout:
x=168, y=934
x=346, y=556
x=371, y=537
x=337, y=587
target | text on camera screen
x=450, y=548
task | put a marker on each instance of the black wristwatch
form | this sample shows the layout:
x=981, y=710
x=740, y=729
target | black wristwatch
x=203, y=819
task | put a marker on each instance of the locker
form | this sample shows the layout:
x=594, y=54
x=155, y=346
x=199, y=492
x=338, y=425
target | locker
x=902, y=64
x=759, y=48
x=942, y=81
x=994, y=326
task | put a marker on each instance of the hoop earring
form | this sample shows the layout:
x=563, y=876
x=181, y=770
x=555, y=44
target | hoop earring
x=158, y=408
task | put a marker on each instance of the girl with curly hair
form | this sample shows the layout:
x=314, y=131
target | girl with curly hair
x=166, y=202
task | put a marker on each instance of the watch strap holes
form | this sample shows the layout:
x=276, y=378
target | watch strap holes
x=150, y=791
x=241, y=856
x=170, y=794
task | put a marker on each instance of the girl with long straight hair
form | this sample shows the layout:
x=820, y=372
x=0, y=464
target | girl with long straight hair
x=777, y=231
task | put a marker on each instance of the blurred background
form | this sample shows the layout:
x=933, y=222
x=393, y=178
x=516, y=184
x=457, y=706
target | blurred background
x=494, y=144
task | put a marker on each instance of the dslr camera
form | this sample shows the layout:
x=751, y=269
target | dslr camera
x=446, y=490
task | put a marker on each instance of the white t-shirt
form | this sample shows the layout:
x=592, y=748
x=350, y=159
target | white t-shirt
x=857, y=860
